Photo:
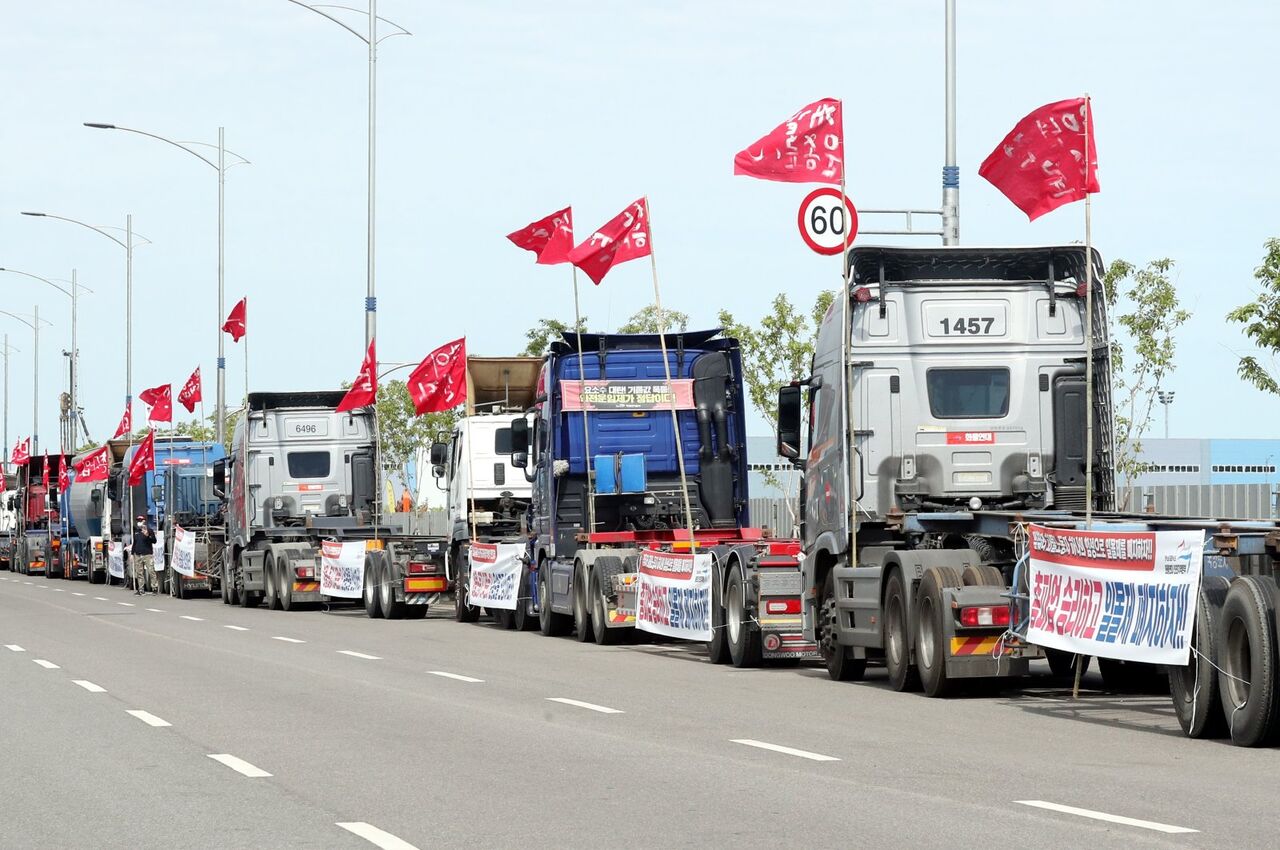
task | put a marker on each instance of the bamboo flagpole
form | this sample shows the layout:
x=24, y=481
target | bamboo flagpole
x=1088, y=321
x=582, y=398
x=671, y=392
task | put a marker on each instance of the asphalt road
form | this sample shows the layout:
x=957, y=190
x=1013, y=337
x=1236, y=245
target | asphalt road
x=262, y=729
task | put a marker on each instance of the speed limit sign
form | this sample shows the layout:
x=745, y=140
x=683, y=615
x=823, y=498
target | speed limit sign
x=823, y=220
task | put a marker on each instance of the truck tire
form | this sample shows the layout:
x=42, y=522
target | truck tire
x=841, y=666
x=581, y=606
x=370, y=593
x=550, y=623
x=718, y=646
x=285, y=574
x=525, y=621
x=504, y=618
x=391, y=609
x=903, y=675
x=1248, y=664
x=1194, y=687
x=745, y=649
x=603, y=635
x=1062, y=664
x=462, y=612
x=932, y=649
x=222, y=586
x=982, y=575
x=271, y=581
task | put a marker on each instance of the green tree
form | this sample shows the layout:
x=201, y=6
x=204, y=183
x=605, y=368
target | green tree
x=402, y=432
x=645, y=321
x=547, y=331
x=1261, y=320
x=1144, y=307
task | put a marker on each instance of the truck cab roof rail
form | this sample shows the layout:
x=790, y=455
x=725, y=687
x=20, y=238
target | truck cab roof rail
x=1062, y=264
x=312, y=398
x=592, y=342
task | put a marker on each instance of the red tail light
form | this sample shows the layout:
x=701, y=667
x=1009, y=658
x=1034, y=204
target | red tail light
x=985, y=616
x=782, y=606
x=422, y=568
x=305, y=572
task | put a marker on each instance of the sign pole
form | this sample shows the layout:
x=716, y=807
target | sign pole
x=1088, y=320
x=586, y=429
x=671, y=392
x=846, y=378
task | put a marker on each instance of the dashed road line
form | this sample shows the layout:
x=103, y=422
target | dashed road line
x=156, y=610
x=354, y=654
x=287, y=639
x=236, y=628
x=1103, y=816
x=778, y=748
x=76, y=593
x=28, y=582
x=147, y=717
x=90, y=686
x=376, y=837
x=13, y=647
x=59, y=590
x=189, y=617
x=102, y=599
x=458, y=676
x=48, y=665
x=126, y=604
x=590, y=706
x=42, y=585
x=239, y=765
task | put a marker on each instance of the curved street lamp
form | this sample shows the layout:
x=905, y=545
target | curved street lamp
x=33, y=321
x=221, y=167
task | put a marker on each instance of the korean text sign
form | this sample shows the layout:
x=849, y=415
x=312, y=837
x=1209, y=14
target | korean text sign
x=495, y=575
x=342, y=569
x=184, y=551
x=675, y=594
x=115, y=559
x=1129, y=595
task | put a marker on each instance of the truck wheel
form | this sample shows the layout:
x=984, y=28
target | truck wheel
x=550, y=623
x=745, y=648
x=932, y=650
x=604, y=635
x=1194, y=688
x=371, y=606
x=271, y=592
x=462, y=612
x=982, y=575
x=841, y=666
x=897, y=646
x=222, y=586
x=525, y=621
x=581, y=616
x=718, y=646
x=504, y=618
x=391, y=609
x=1248, y=661
x=228, y=581
x=285, y=573
x=1062, y=664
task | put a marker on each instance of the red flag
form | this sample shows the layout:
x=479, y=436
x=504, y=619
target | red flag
x=21, y=452
x=190, y=393
x=64, y=475
x=94, y=466
x=1041, y=165
x=364, y=391
x=44, y=473
x=125, y=426
x=234, y=324
x=550, y=238
x=624, y=237
x=161, y=400
x=806, y=148
x=144, y=460
x=440, y=381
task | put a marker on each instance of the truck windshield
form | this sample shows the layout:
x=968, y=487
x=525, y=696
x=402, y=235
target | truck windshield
x=502, y=441
x=308, y=464
x=968, y=393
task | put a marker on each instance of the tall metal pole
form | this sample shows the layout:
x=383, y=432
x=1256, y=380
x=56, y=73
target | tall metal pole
x=950, y=171
x=128, y=311
x=221, y=412
x=6, y=402
x=75, y=370
x=35, y=390
x=371, y=301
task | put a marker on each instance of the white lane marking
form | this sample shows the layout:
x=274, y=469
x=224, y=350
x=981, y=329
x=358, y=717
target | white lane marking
x=239, y=765
x=189, y=617
x=59, y=590
x=156, y=610
x=603, y=709
x=90, y=686
x=354, y=654
x=1103, y=816
x=236, y=628
x=778, y=748
x=125, y=604
x=457, y=676
x=287, y=640
x=102, y=599
x=26, y=582
x=376, y=837
x=147, y=717
x=76, y=593
x=42, y=585
x=13, y=647
x=48, y=665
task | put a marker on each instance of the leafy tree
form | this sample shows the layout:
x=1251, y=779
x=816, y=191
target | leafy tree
x=1142, y=354
x=402, y=432
x=547, y=331
x=1261, y=320
x=645, y=321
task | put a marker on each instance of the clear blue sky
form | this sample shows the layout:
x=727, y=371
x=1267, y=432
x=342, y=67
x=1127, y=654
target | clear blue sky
x=495, y=113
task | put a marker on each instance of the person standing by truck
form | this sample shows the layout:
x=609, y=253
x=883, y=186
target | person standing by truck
x=142, y=554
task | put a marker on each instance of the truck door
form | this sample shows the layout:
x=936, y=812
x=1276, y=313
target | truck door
x=876, y=437
x=1069, y=442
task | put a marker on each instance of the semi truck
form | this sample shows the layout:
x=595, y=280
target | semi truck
x=298, y=474
x=37, y=549
x=606, y=489
x=8, y=520
x=486, y=499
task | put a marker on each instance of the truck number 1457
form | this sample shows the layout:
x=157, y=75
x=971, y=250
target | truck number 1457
x=970, y=325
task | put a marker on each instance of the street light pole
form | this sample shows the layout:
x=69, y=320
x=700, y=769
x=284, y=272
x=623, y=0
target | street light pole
x=34, y=324
x=1166, y=399
x=950, y=171
x=6, y=401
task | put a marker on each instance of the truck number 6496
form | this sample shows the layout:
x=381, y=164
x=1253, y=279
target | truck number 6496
x=969, y=325
x=304, y=429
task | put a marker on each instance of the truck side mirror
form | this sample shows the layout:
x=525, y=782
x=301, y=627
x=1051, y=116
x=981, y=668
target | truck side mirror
x=789, y=422
x=220, y=474
x=113, y=488
x=520, y=460
x=437, y=471
x=439, y=455
x=95, y=495
x=519, y=440
x=157, y=492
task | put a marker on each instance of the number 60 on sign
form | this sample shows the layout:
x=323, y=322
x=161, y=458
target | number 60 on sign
x=823, y=220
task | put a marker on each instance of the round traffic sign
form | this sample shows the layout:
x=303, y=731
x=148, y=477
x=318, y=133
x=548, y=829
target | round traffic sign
x=823, y=220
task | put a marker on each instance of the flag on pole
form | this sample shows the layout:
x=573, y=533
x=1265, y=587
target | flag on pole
x=439, y=382
x=94, y=466
x=550, y=238
x=21, y=452
x=64, y=475
x=161, y=400
x=190, y=393
x=144, y=460
x=806, y=148
x=1040, y=165
x=126, y=424
x=624, y=237
x=235, y=322
x=364, y=391
x=44, y=473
